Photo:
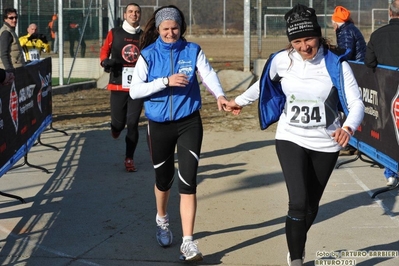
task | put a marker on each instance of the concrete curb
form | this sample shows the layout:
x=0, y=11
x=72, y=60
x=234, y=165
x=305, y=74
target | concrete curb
x=231, y=80
x=74, y=87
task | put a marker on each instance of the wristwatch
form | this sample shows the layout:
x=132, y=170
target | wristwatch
x=165, y=81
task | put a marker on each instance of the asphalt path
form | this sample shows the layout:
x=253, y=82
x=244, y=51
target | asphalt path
x=82, y=207
x=89, y=211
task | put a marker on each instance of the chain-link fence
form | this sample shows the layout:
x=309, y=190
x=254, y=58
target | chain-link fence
x=204, y=17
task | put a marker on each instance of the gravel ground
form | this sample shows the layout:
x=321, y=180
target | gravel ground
x=90, y=108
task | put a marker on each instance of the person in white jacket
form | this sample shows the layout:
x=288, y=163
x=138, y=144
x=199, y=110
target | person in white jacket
x=309, y=135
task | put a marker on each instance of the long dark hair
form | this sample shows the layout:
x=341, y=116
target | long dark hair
x=151, y=32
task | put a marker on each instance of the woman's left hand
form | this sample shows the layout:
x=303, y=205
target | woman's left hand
x=341, y=136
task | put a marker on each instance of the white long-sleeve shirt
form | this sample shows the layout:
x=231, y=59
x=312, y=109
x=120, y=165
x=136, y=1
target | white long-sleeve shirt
x=142, y=88
x=308, y=82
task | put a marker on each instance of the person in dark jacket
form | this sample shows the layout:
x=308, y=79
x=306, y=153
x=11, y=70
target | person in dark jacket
x=348, y=35
x=382, y=49
x=74, y=32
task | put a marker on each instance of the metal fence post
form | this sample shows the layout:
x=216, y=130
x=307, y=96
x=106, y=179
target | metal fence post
x=247, y=35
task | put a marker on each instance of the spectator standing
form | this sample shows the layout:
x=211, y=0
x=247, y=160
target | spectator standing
x=299, y=89
x=382, y=49
x=11, y=54
x=33, y=44
x=122, y=44
x=348, y=37
x=53, y=29
x=165, y=76
x=74, y=33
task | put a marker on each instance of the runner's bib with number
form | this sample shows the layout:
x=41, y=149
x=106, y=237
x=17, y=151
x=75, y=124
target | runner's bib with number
x=127, y=75
x=34, y=54
x=305, y=111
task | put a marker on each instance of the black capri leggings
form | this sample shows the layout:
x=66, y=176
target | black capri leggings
x=306, y=173
x=163, y=138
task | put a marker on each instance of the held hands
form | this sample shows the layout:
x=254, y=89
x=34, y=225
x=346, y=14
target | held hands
x=181, y=80
x=342, y=136
x=222, y=102
x=233, y=107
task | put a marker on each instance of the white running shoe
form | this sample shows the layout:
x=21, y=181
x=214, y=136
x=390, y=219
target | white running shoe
x=392, y=181
x=289, y=257
x=189, y=251
x=164, y=235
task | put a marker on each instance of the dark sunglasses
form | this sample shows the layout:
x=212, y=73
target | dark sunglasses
x=16, y=17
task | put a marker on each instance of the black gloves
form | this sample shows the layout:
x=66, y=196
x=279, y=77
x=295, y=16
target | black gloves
x=107, y=64
x=43, y=38
x=35, y=36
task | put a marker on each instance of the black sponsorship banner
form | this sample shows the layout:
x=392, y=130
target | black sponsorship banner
x=25, y=111
x=378, y=134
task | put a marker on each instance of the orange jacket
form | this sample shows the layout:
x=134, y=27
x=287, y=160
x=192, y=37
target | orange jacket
x=50, y=25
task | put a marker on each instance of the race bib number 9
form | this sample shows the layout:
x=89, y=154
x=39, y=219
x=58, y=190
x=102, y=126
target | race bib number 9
x=306, y=111
x=127, y=75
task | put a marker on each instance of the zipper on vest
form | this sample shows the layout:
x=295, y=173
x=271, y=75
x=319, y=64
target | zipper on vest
x=171, y=88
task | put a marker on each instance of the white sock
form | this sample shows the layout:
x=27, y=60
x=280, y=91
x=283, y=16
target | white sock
x=187, y=238
x=162, y=219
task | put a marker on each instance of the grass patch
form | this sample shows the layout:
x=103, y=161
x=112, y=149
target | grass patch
x=56, y=81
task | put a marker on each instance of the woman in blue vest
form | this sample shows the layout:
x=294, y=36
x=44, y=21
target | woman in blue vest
x=302, y=88
x=166, y=77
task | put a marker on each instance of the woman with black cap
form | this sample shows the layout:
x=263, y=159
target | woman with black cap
x=302, y=87
x=165, y=76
